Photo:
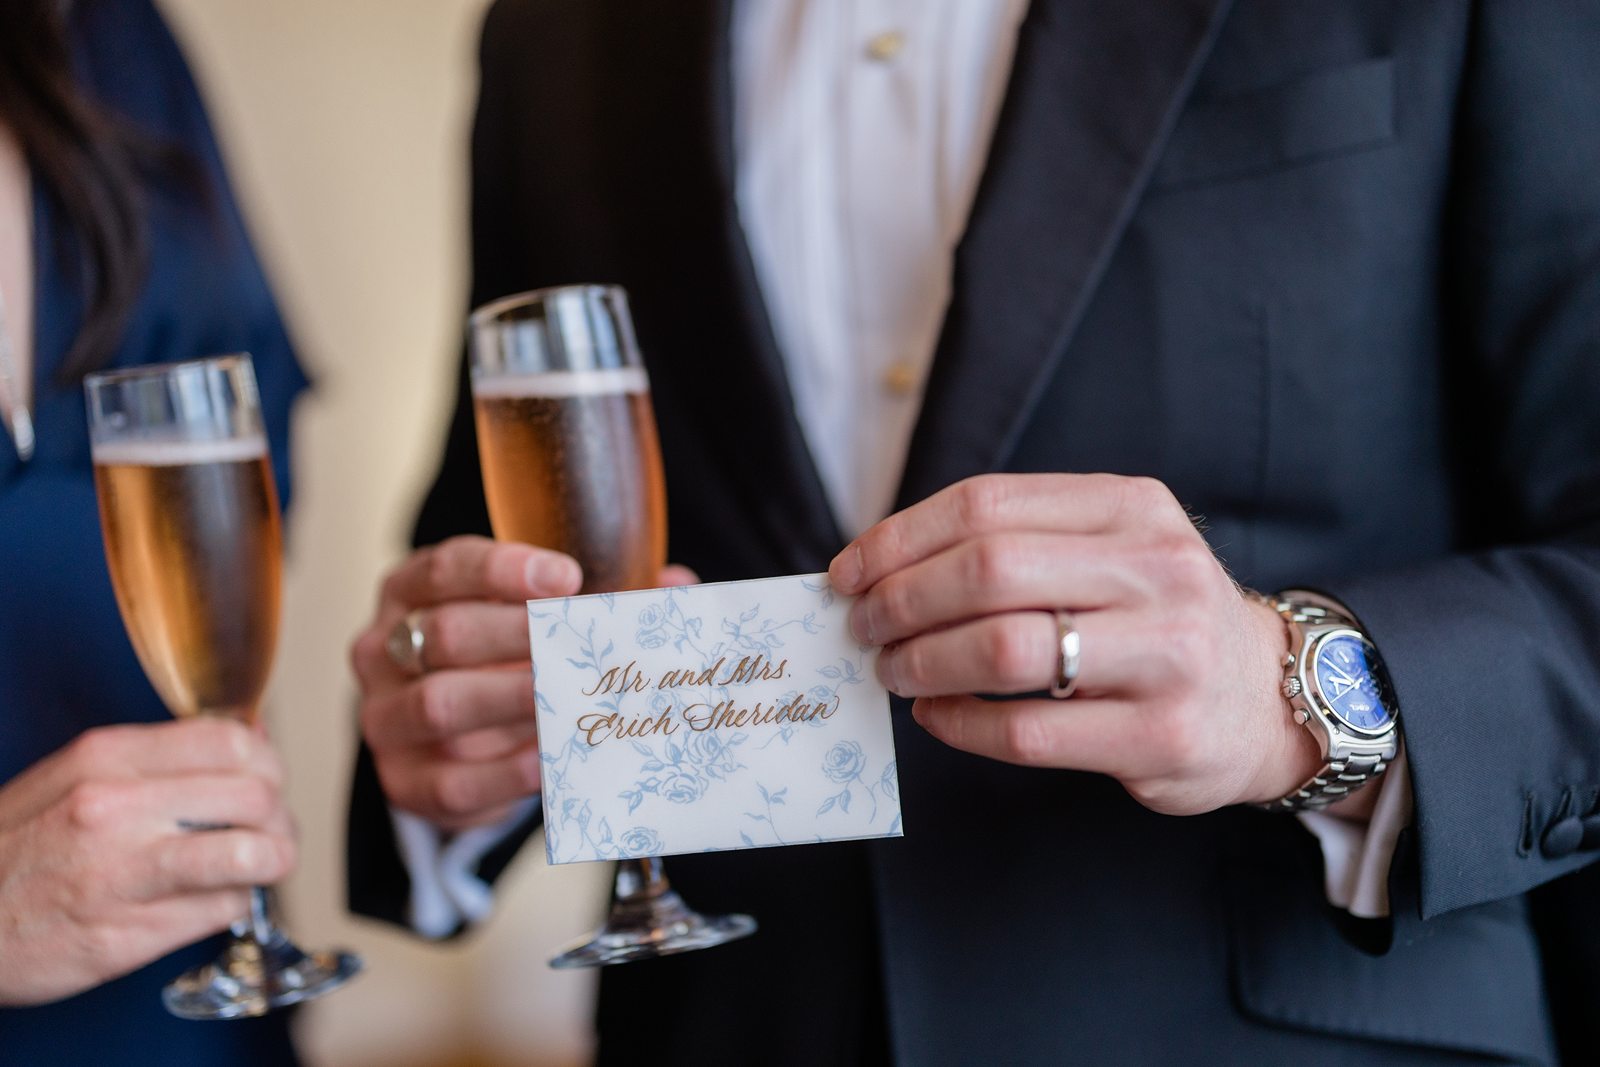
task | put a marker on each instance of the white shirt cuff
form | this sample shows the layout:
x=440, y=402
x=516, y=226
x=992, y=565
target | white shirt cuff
x=446, y=891
x=1356, y=857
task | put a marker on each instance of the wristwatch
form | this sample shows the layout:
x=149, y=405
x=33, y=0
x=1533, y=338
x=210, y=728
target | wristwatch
x=1337, y=687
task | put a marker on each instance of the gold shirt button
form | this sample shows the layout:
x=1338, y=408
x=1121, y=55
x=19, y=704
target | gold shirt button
x=885, y=46
x=900, y=379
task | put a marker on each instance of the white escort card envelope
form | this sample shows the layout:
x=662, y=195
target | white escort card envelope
x=733, y=715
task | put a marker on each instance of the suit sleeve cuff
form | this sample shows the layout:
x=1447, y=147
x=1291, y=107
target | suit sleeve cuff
x=1356, y=857
x=446, y=890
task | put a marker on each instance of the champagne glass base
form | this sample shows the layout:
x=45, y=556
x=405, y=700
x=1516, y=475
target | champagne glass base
x=251, y=979
x=659, y=925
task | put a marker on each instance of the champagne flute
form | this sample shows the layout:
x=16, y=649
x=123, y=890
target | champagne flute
x=567, y=440
x=193, y=542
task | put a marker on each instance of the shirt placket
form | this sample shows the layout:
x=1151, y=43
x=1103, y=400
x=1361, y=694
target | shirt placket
x=886, y=150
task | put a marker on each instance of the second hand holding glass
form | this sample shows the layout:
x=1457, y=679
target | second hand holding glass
x=571, y=462
x=193, y=542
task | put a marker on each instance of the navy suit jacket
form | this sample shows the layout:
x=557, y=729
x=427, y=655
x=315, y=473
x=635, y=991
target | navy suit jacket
x=65, y=662
x=1330, y=269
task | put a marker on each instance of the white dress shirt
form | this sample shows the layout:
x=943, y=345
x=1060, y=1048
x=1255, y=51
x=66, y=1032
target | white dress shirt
x=860, y=132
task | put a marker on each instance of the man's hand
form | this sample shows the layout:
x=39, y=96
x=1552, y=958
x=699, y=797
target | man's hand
x=1178, y=691
x=457, y=743
x=98, y=875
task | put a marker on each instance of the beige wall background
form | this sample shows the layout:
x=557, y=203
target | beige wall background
x=345, y=122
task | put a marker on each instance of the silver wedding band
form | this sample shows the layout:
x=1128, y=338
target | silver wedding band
x=1069, y=650
x=405, y=645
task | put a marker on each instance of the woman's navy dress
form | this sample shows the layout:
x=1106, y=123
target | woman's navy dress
x=65, y=661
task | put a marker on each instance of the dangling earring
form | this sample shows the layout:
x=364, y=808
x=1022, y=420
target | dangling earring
x=14, y=409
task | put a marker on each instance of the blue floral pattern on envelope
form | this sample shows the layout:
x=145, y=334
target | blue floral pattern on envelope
x=703, y=718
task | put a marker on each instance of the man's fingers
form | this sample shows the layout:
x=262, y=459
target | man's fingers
x=185, y=746
x=456, y=795
x=676, y=574
x=446, y=704
x=993, y=573
x=369, y=656
x=195, y=861
x=1063, y=503
x=473, y=634
x=492, y=743
x=1020, y=652
x=1102, y=736
x=476, y=568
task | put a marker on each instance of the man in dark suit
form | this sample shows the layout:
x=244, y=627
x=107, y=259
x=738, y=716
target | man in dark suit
x=1327, y=274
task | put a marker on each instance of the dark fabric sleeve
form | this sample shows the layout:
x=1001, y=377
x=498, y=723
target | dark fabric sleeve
x=455, y=502
x=1493, y=651
x=1567, y=915
x=378, y=884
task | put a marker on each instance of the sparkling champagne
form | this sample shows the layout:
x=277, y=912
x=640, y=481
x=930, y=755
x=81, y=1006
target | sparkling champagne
x=571, y=462
x=193, y=541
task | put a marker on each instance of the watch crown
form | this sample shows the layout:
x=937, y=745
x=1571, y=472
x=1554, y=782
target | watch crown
x=1291, y=687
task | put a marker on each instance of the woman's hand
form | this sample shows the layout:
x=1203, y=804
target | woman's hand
x=1178, y=692
x=456, y=743
x=98, y=875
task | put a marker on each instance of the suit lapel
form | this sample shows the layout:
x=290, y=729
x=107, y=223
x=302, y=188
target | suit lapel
x=669, y=119
x=1094, y=91
x=769, y=377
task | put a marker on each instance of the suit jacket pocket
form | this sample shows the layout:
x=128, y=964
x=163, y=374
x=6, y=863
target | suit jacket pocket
x=1329, y=113
x=1467, y=981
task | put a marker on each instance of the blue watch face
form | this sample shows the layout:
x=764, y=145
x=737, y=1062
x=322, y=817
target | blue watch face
x=1352, y=682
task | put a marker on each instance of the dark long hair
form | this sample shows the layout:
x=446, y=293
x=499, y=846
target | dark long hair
x=91, y=163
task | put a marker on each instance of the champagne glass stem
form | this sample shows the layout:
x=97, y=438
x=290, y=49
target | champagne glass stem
x=638, y=879
x=259, y=970
x=649, y=919
x=262, y=905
